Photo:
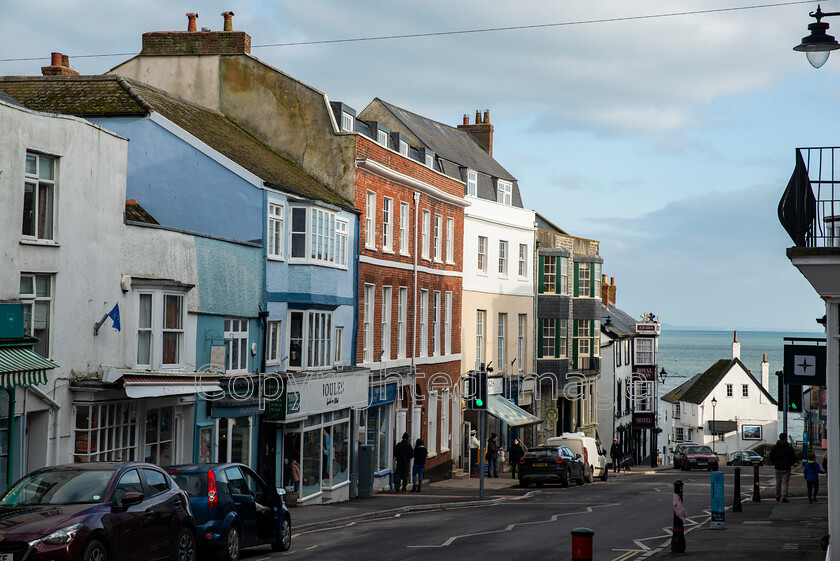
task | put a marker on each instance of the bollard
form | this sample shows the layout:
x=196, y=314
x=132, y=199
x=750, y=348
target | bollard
x=736, y=502
x=678, y=535
x=582, y=544
x=756, y=493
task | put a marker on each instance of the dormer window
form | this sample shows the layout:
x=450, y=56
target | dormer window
x=382, y=138
x=404, y=148
x=504, y=189
x=472, y=183
x=430, y=161
x=347, y=122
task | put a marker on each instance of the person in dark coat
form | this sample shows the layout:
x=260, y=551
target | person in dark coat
x=420, y=454
x=492, y=456
x=403, y=454
x=812, y=471
x=617, y=455
x=783, y=457
x=514, y=455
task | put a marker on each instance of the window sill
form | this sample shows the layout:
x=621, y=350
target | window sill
x=316, y=263
x=402, y=254
x=370, y=247
x=275, y=258
x=450, y=262
x=45, y=243
x=388, y=251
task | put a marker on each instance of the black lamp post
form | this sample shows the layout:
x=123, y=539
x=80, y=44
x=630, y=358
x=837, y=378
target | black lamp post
x=714, y=404
x=818, y=45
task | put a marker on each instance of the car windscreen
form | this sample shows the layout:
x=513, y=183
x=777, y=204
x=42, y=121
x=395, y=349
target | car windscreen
x=542, y=453
x=750, y=453
x=698, y=450
x=59, y=487
x=194, y=483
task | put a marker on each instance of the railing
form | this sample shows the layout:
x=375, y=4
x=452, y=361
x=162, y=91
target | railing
x=810, y=207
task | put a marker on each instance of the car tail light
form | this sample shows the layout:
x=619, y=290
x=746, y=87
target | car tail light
x=586, y=455
x=522, y=461
x=212, y=494
x=558, y=460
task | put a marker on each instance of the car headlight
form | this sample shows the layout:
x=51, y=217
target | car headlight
x=60, y=537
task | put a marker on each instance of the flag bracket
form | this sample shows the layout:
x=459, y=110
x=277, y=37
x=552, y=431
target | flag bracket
x=98, y=324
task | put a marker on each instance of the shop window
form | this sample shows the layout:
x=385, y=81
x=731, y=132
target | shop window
x=234, y=440
x=103, y=433
x=379, y=435
x=311, y=466
x=160, y=436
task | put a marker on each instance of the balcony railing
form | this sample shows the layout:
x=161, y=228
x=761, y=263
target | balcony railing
x=810, y=206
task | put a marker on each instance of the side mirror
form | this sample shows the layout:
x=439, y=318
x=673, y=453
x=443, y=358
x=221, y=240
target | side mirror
x=131, y=499
x=577, y=456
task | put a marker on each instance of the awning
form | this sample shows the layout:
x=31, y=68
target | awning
x=509, y=413
x=140, y=386
x=722, y=427
x=21, y=366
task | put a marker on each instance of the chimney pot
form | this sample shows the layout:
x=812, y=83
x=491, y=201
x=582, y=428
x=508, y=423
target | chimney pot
x=477, y=117
x=612, y=280
x=486, y=116
x=65, y=61
x=56, y=59
x=466, y=119
x=228, y=20
x=191, y=17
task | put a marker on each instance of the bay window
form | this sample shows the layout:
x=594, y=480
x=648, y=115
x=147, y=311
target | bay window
x=310, y=339
x=322, y=232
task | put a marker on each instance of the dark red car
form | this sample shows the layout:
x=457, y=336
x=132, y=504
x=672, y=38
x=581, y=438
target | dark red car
x=694, y=457
x=96, y=512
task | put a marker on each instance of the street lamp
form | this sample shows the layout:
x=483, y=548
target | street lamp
x=818, y=45
x=714, y=404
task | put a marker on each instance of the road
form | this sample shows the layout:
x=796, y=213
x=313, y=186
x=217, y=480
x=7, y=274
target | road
x=629, y=515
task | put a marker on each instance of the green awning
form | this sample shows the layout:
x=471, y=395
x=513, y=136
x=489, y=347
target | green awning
x=21, y=366
x=509, y=413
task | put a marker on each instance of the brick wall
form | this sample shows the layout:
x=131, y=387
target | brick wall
x=196, y=43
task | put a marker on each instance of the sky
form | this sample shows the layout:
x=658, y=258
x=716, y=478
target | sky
x=669, y=139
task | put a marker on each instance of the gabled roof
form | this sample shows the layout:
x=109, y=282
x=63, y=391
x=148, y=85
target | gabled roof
x=116, y=96
x=544, y=224
x=698, y=388
x=450, y=143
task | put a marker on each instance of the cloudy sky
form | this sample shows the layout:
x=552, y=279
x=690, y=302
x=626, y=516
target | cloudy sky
x=668, y=138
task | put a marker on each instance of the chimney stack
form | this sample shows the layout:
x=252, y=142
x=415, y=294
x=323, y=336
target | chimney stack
x=191, y=17
x=466, y=119
x=481, y=130
x=736, y=347
x=228, y=20
x=59, y=66
x=765, y=373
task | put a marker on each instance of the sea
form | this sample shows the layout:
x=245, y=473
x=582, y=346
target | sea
x=684, y=353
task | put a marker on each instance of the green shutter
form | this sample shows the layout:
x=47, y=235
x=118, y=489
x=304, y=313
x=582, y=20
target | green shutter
x=573, y=339
x=540, y=274
x=540, y=328
x=557, y=337
x=576, y=272
x=592, y=280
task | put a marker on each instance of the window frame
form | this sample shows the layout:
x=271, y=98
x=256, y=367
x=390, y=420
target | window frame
x=388, y=224
x=348, y=122
x=157, y=332
x=31, y=300
x=522, y=341
x=503, y=258
x=307, y=342
x=479, y=335
x=437, y=238
x=424, y=322
x=641, y=355
x=44, y=223
x=404, y=228
x=501, y=342
x=368, y=303
x=549, y=274
x=504, y=192
x=387, y=296
x=447, y=344
x=276, y=234
x=237, y=342
x=324, y=230
x=425, y=240
x=370, y=220
x=549, y=338
x=472, y=183
x=482, y=255
x=450, y=240
x=402, y=317
x=436, y=302
x=274, y=341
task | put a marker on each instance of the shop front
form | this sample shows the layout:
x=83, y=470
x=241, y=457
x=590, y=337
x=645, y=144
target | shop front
x=314, y=427
x=377, y=422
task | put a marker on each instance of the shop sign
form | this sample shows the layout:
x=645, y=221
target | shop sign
x=804, y=364
x=315, y=394
x=645, y=373
x=644, y=420
x=648, y=328
x=380, y=394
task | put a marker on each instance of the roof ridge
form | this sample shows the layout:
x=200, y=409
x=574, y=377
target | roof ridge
x=456, y=129
x=130, y=90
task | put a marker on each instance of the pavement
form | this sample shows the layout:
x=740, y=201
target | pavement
x=766, y=530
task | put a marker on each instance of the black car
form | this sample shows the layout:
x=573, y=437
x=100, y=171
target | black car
x=745, y=458
x=233, y=508
x=550, y=464
x=96, y=512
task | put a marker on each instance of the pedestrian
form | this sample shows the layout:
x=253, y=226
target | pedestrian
x=617, y=455
x=420, y=454
x=783, y=457
x=517, y=450
x=812, y=476
x=403, y=454
x=474, y=445
x=492, y=456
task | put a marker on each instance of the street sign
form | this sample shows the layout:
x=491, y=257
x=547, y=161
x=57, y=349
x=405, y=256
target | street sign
x=551, y=414
x=805, y=365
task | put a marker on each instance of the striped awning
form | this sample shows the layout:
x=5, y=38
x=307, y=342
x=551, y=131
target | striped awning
x=21, y=366
x=509, y=413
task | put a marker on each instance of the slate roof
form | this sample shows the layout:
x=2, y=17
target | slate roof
x=698, y=388
x=544, y=224
x=136, y=213
x=116, y=96
x=621, y=324
x=449, y=142
x=9, y=99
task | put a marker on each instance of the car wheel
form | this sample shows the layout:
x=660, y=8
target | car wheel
x=590, y=477
x=605, y=474
x=523, y=483
x=95, y=551
x=185, y=546
x=285, y=541
x=539, y=484
x=581, y=480
x=565, y=480
x=231, y=545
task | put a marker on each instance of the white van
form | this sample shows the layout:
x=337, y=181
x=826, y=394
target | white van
x=593, y=456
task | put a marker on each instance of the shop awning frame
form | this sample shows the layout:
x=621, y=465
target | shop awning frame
x=149, y=385
x=21, y=366
x=510, y=413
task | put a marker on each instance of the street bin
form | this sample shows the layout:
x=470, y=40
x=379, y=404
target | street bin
x=366, y=468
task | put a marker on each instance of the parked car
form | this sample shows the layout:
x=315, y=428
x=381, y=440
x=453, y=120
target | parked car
x=593, y=456
x=678, y=452
x=698, y=457
x=745, y=458
x=234, y=508
x=95, y=512
x=550, y=464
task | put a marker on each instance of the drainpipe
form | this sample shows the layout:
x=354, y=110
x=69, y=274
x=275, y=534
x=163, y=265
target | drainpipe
x=56, y=410
x=10, y=478
x=413, y=376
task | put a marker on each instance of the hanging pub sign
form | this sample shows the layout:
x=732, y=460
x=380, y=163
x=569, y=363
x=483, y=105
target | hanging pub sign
x=805, y=364
x=644, y=420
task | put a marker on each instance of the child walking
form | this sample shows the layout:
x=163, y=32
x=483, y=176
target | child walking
x=812, y=476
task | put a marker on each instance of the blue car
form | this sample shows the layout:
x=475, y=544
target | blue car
x=233, y=508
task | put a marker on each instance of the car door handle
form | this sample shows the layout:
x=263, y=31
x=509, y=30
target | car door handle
x=149, y=513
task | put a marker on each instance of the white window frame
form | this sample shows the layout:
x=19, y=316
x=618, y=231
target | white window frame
x=370, y=220
x=33, y=304
x=274, y=342
x=472, y=183
x=584, y=279
x=504, y=193
x=324, y=237
x=382, y=138
x=447, y=345
x=427, y=218
x=402, y=311
x=564, y=275
x=316, y=352
x=40, y=186
x=450, y=240
x=501, y=343
x=678, y=434
x=338, y=344
x=445, y=425
x=404, y=148
x=563, y=351
x=430, y=162
x=522, y=341
x=387, y=295
x=347, y=122
x=424, y=322
x=549, y=340
x=479, y=336
x=341, y=236
x=503, y=258
x=644, y=351
x=729, y=390
x=523, y=261
x=367, y=322
x=482, y=254
x=404, y=226
x=157, y=332
x=436, y=323
x=596, y=277
x=388, y=224
x=431, y=423
x=438, y=232
x=643, y=394
x=745, y=390
x=276, y=233
x=236, y=345
x=550, y=274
